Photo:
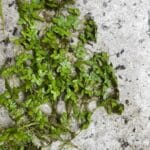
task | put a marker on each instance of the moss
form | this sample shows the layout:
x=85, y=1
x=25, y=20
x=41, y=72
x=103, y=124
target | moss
x=50, y=69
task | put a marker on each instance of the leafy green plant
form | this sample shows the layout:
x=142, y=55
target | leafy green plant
x=51, y=68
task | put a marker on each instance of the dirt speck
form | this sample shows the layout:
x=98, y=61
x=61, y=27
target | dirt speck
x=124, y=144
x=120, y=67
x=11, y=4
x=127, y=102
x=105, y=4
x=104, y=27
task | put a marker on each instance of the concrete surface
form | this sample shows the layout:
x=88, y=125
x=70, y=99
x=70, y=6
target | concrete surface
x=123, y=31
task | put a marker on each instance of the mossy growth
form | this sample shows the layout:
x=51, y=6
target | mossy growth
x=52, y=68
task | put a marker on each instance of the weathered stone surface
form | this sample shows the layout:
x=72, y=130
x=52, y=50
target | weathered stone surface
x=123, y=31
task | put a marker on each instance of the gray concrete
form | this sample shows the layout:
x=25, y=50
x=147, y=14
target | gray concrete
x=123, y=31
x=7, y=50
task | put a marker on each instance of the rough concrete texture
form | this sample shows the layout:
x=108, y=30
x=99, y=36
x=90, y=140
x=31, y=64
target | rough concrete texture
x=7, y=49
x=123, y=31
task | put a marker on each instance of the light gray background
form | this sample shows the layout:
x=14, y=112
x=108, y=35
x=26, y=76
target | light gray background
x=123, y=25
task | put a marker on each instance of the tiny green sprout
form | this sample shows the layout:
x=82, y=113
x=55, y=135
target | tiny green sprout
x=2, y=16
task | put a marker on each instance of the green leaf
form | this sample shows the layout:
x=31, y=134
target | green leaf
x=112, y=106
x=60, y=31
x=74, y=11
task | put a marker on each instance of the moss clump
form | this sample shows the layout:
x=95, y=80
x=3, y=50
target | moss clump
x=51, y=69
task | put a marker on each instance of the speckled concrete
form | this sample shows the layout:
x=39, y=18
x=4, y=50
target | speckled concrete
x=123, y=31
x=7, y=49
